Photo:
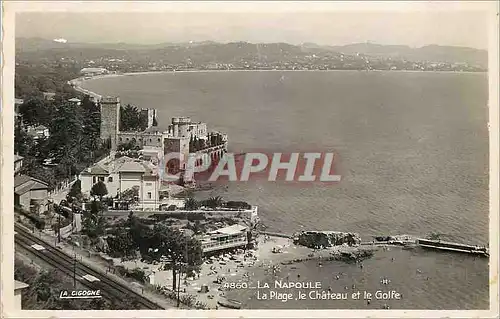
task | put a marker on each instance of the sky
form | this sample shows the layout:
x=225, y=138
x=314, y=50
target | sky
x=442, y=24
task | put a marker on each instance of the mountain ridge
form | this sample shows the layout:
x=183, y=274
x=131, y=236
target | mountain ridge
x=432, y=52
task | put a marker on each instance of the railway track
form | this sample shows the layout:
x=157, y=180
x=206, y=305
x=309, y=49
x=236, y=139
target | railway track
x=67, y=264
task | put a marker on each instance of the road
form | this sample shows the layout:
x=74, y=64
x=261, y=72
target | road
x=68, y=265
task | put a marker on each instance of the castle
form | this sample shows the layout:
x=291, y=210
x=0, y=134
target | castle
x=182, y=136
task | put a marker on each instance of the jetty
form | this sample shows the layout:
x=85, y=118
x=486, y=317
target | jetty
x=410, y=241
x=456, y=247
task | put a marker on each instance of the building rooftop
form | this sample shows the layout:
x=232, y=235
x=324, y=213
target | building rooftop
x=230, y=230
x=21, y=179
x=91, y=70
x=131, y=167
x=98, y=170
x=122, y=164
x=25, y=183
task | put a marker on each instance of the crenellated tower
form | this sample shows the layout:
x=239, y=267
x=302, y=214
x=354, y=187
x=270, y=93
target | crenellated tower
x=110, y=120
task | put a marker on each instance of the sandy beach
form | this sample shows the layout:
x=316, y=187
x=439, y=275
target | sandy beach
x=234, y=268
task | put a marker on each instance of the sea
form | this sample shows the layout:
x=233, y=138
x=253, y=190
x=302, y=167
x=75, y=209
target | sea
x=412, y=150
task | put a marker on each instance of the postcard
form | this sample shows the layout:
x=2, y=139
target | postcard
x=249, y=159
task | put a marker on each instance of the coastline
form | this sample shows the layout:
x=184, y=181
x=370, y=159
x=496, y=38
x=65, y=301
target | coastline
x=78, y=82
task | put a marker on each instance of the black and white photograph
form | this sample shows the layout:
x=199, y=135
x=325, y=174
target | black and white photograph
x=238, y=156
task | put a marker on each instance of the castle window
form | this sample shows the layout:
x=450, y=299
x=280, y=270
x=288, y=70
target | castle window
x=149, y=195
x=127, y=139
x=110, y=179
x=94, y=179
x=121, y=139
x=159, y=140
x=150, y=140
x=101, y=179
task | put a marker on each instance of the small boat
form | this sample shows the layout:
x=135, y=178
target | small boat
x=230, y=303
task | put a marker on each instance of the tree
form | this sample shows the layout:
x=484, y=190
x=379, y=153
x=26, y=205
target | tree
x=191, y=204
x=122, y=244
x=66, y=136
x=93, y=222
x=36, y=111
x=214, y=202
x=132, y=119
x=76, y=190
x=23, y=142
x=196, y=227
x=91, y=114
x=99, y=189
x=139, y=233
x=130, y=194
x=176, y=246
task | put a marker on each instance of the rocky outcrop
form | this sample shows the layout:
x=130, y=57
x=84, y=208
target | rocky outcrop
x=325, y=239
x=348, y=255
x=356, y=256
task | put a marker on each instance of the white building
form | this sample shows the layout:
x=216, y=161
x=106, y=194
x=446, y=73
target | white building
x=38, y=132
x=30, y=193
x=93, y=71
x=234, y=236
x=122, y=174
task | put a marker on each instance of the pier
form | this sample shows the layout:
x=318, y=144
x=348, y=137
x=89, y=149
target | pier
x=449, y=246
x=410, y=241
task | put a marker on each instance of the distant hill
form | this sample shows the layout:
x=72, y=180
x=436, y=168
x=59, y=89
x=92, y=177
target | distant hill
x=213, y=52
x=434, y=53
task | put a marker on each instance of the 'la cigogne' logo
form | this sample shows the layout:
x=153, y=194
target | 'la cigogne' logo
x=80, y=294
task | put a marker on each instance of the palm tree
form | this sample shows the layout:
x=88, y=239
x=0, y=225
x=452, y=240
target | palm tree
x=214, y=202
x=191, y=204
